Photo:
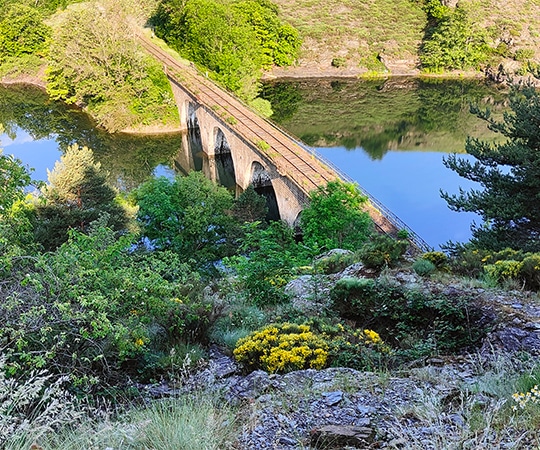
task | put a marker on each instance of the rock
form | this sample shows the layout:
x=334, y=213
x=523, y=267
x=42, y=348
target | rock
x=333, y=398
x=366, y=410
x=284, y=440
x=309, y=293
x=357, y=270
x=338, y=436
x=512, y=339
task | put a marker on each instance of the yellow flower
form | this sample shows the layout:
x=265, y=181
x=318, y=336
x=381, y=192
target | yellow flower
x=139, y=343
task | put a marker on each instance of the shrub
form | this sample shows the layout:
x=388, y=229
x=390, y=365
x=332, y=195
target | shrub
x=529, y=271
x=524, y=54
x=449, y=322
x=350, y=295
x=22, y=32
x=338, y=62
x=334, y=217
x=271, y=257
x=282, y=348
x=94, y=308
x=358, y=349
x=423, y=267
x=503, y=270
x=439, y=259
x=334, y=263
x=382, y=251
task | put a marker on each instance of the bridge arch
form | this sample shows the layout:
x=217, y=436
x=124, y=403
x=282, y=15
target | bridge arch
x=224, y=162
x=262, y=183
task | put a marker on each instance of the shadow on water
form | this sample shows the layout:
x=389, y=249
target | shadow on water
x=224, y=162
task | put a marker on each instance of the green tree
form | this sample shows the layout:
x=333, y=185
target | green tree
x=250, y=206
x=335, y=218
x=279, y=41
x=96, y=61
x=509, y=177
x=77, y=195
x=22, y=31
x=234, y=40
x=14, y=178
x=454, y=41
x=15, y=213
x=188, y=215
x=267, y=263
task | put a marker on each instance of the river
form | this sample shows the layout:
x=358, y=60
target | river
x=388, y=135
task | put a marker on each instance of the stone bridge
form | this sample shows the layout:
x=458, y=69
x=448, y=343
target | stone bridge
x=236, y=147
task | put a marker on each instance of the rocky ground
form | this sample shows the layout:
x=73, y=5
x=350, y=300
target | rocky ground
x=431, y=404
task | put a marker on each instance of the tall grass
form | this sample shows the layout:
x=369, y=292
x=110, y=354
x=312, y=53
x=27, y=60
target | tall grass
x=184, y=423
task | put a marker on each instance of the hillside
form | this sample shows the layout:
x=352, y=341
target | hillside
x=387, y=35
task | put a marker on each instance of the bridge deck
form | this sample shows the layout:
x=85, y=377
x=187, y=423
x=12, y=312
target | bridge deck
x=290, y=159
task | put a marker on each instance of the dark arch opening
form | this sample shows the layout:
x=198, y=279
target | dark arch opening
x=260, y=179
x=225, y=173
x=194, y=138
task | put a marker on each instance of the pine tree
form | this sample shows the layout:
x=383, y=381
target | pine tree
x=509, y=174
x=77, y=194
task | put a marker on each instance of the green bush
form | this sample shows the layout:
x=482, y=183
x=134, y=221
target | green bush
x=234, y=40
x=439, y=259
x=338, y=62
x=93, y=309
x=334, y=263
x=529, y=271
x=423, y=267
x=447, y=322
x=282, y=348
x=503, y=270
x=334, y=217
x=268, y=264
x=22, y=32
x=524, y=54
x=454, y=40
x=382, y=251
x=361, y=349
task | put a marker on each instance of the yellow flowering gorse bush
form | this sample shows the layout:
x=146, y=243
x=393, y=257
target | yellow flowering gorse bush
x=281, y=348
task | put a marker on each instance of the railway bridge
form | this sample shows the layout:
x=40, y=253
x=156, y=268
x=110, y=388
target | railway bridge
x=233, y=145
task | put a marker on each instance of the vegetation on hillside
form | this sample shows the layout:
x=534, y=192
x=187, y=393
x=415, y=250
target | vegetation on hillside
x=234, y=40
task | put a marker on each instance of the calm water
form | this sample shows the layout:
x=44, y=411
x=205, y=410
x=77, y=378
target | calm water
x=391, y=137
x=388, y=136
x=38, y=130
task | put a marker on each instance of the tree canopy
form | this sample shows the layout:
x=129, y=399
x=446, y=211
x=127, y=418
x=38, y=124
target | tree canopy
x=509, y=176
x=188, y=215
x=232, y=39
x=77, y=195
x=334, y=217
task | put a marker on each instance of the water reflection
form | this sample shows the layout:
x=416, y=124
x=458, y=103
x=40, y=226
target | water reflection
x=383, y=115
x=390, y=136
x=47, y=128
